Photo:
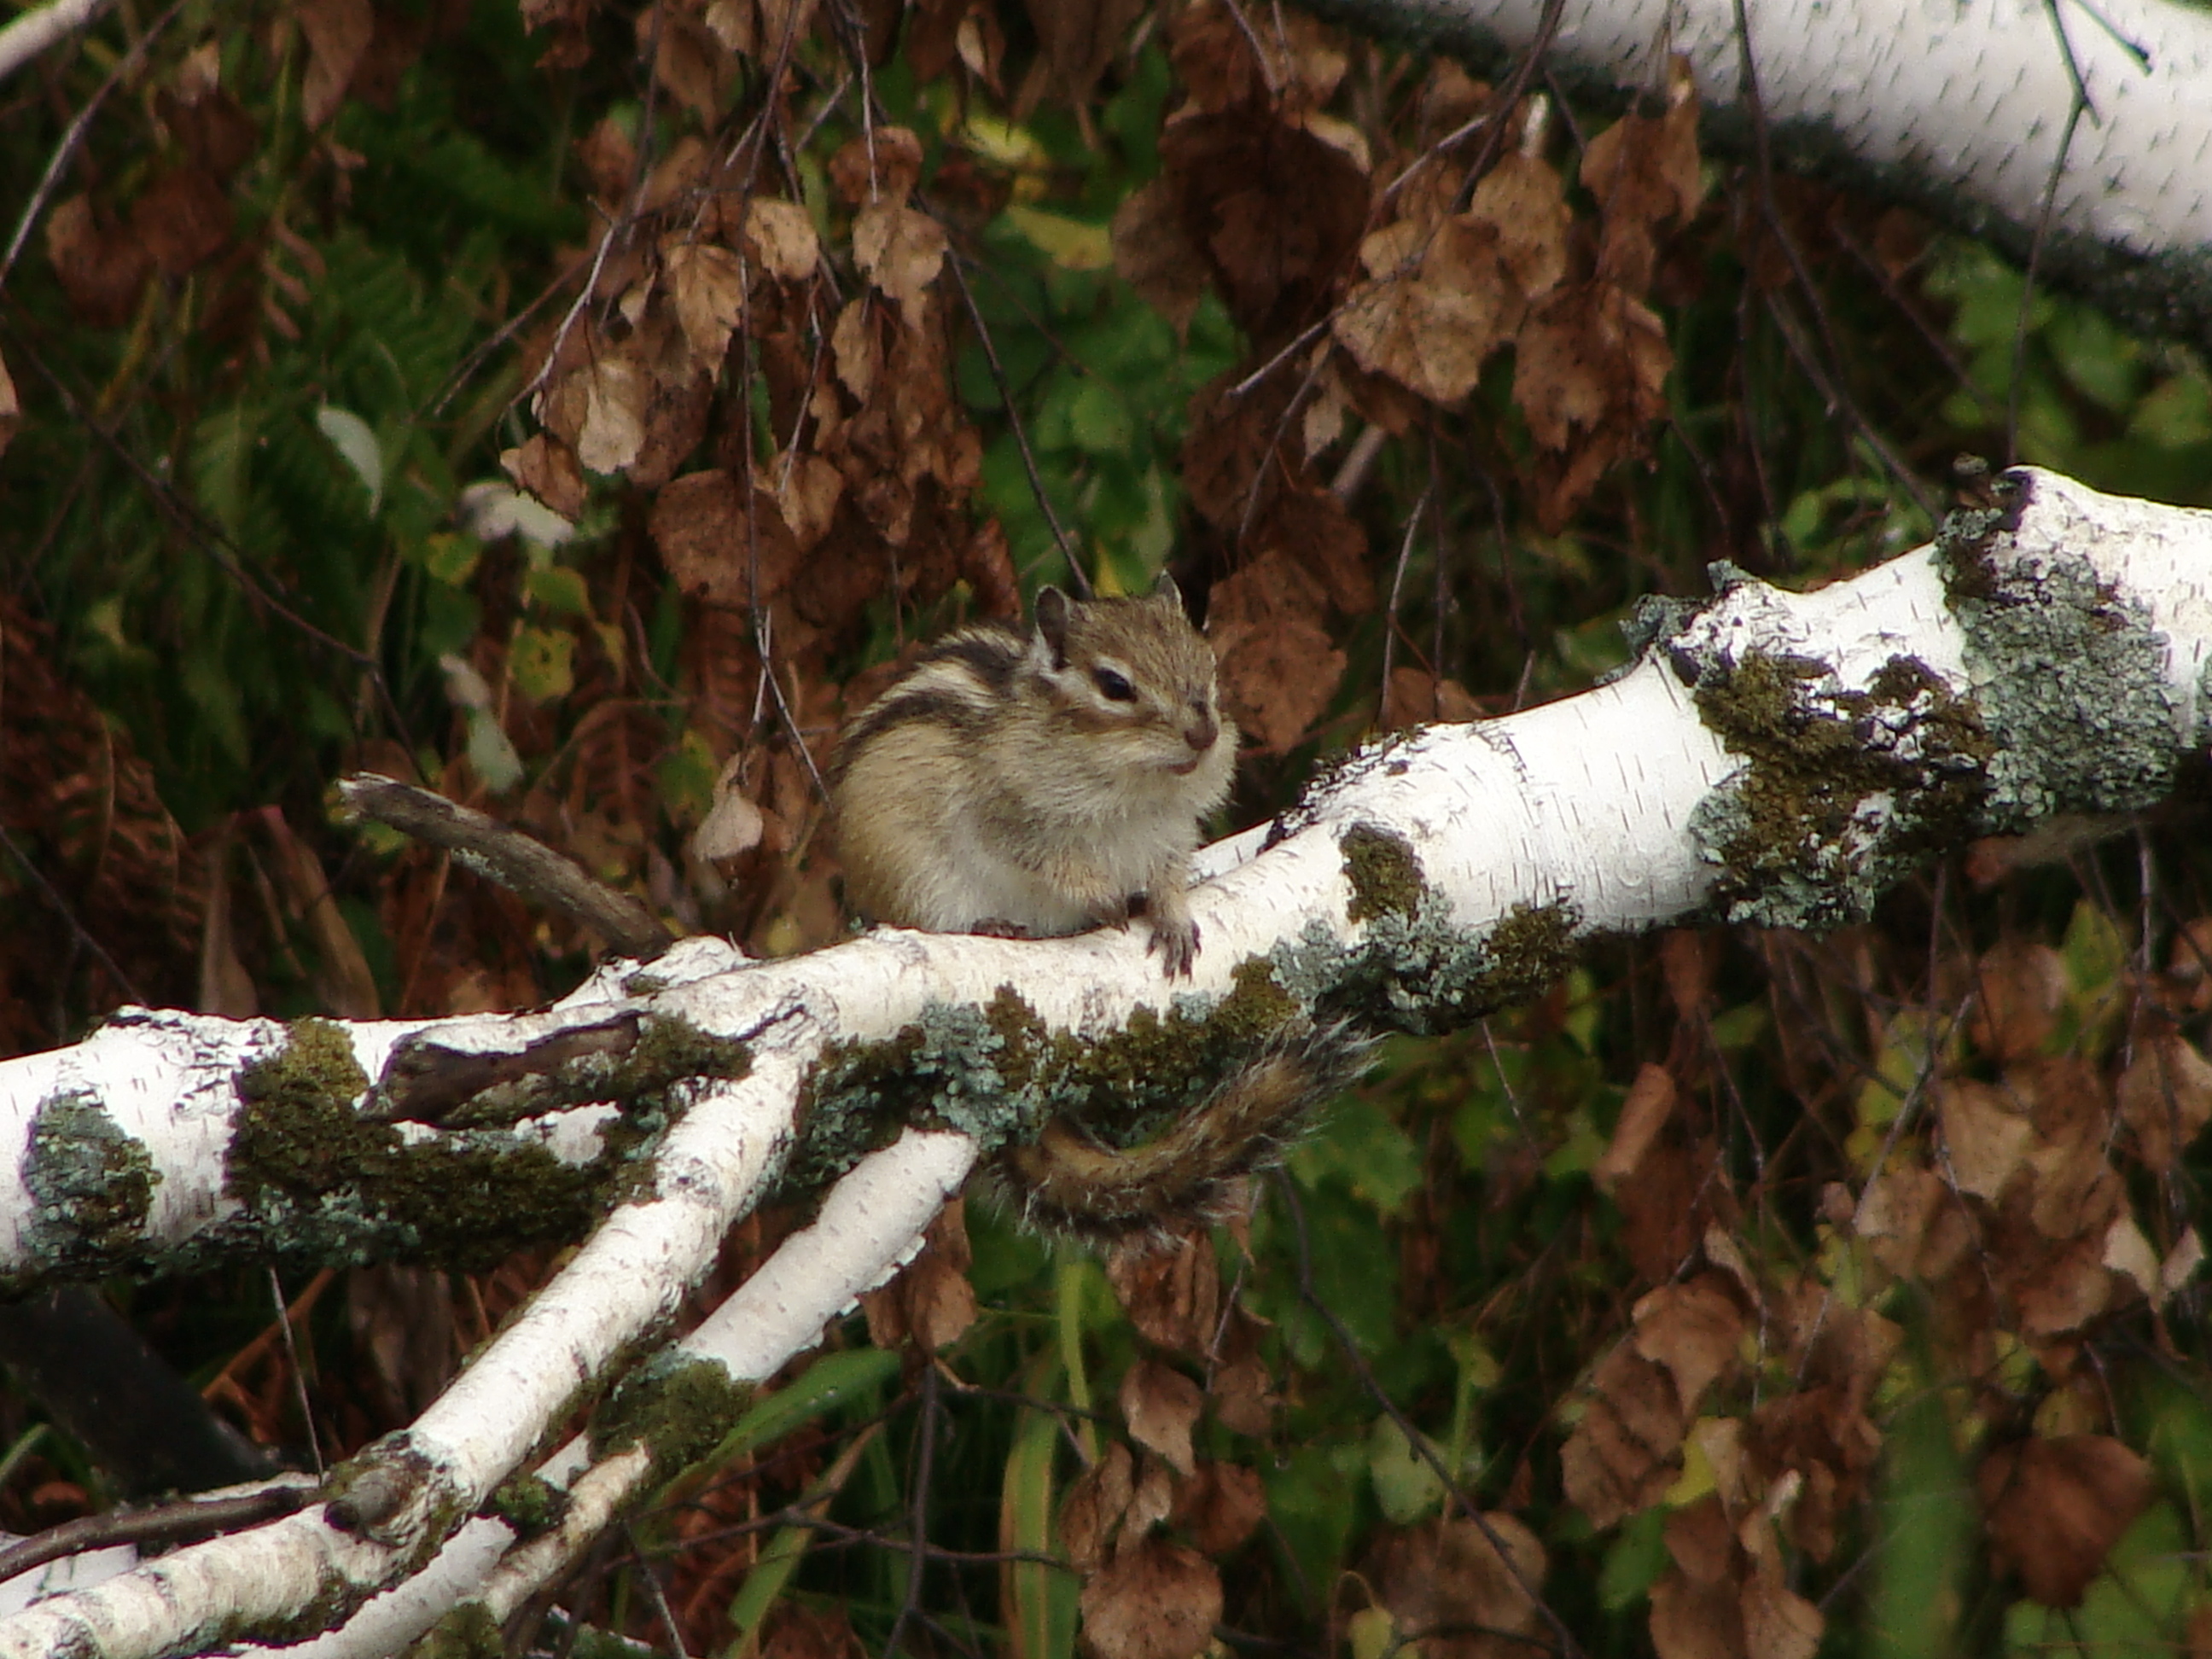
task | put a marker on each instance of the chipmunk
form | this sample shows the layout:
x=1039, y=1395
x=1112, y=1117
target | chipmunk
x=1036, y=784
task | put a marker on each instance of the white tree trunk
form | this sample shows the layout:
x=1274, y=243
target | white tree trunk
x=1960, y=106
x=1772, y=756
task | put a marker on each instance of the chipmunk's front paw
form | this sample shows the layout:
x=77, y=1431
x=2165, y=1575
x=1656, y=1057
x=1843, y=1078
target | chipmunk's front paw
x=1177, y=943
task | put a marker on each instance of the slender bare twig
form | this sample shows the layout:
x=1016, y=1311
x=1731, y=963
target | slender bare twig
x=184, y=1521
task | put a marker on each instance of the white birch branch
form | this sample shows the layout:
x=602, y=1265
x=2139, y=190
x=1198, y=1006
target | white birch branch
x=31, y=34
x=1959, y=107
x=1772, y=757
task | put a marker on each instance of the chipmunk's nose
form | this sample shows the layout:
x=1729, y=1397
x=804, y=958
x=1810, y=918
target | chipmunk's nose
x=1200, y=733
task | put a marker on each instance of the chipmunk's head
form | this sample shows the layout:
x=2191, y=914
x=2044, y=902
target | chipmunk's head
x=1134, y=680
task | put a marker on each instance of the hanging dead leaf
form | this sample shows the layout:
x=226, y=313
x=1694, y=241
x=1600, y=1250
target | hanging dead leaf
x=1621, y=1456
x=1986, y=1135
x=2019, y=986
x=1279, y=669
x=1524, y=205
x=1161, y=1406
x=1313, y=527
x=101, y=268
x=1273, y=210
x=1651, y=1102
x=547, y=468
x=1158, y=1600
x=931, y=1300
x=807, y=490
x=901, y=250
x=1155, y=256
x=1078, y=37
x=709, y=290
x=1173, y=1296
x=339, y=31
x=1222, y=1507
x=182, y=219
x=1094, y=1507
x=700, y=524
x=857, y=349
x=609, y=158
x=1446, y=1582
x=1643, y=171
x=2165, y=1099
x=781, y=235
x=2055, y=1509
x=688, y=58
x=881, y=165
x=1693, y=1329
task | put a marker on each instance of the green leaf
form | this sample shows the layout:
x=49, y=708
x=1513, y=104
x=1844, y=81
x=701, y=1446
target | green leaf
x=357, y=445
x=559, y=588
x=1407, y=1484
x=1635, y=1560
x=543, y=662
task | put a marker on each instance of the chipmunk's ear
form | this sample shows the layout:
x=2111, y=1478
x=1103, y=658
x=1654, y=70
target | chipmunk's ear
x=1165, y=589
x=1052, y=608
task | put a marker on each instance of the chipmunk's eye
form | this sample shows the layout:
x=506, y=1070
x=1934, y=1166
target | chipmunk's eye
x=1112, y=686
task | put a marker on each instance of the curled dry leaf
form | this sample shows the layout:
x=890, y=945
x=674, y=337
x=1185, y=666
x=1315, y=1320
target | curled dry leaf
x=1161, y=1406
x=2165, y=1099
x=1278, y=666
x=733, y=826
x=1692, y=1329
x=101, y=267
x=857, y=349
x=807, y=489
x=1173, y=1297
x=1094, y=1504
x=1643, y=171
x=547, y=469
x=2055, y=1509
x=1222, y=1507
x=1650, y=1102
x=183, y=218
x=700, y=524
x=881, y=165
x=2019, y=986
x=339, y=31
x=1446, y=1582
x=1275, y=210
x=615, y=389
x=901, y=250
x=1154, y=255
x=1621, y=1456
x=1078, y=38
x=931, y=1300
x=781, y=235
x=709, y=289
x=1158, y=1600
x=1986, y=1135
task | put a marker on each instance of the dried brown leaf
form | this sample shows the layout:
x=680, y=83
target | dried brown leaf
x=881, y=165
x=1094, y=1506
x=2055, y=1509
x=101, y=268
x=1161, y=1406
x=1621, y=1456
x=1693, y=1329
x=2019, y=988
x=1158, y=1600
x=782, y=236
x=547, y=468
x=2165, y=1099
x=1447, y=1577
x=1172, y=1296
x=1154, y=254
x=1222, y=1507
x=339, y=31
x=183, y=218
x=1650, y=1102
x=1986, y=1136
x=709, y=290
x=901, y=250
